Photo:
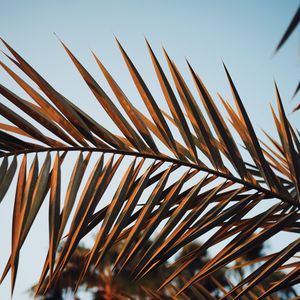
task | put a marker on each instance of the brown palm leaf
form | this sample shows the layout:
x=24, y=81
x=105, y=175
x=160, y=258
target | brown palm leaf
x=169, y=177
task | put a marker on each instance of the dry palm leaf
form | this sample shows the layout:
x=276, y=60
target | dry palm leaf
x=183, y=177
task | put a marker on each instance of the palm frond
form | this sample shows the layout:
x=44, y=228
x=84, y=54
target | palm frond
x=200, y=187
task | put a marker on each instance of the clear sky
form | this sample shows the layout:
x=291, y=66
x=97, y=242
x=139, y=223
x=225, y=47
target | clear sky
x=241, y=33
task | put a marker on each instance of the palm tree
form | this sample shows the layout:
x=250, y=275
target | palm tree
x=103, y=282
x=183, y=177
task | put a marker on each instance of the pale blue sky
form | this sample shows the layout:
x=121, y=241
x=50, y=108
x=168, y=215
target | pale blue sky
x=241, y=33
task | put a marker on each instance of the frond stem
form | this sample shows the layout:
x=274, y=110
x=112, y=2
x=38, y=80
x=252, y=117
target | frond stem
x=163, y=158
